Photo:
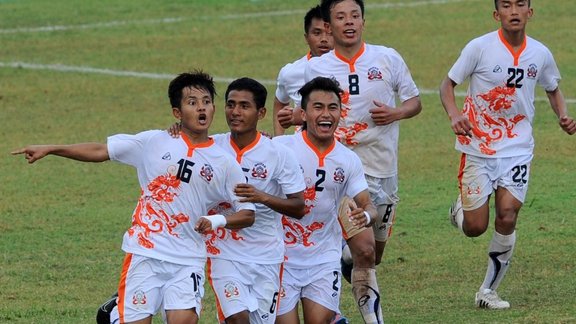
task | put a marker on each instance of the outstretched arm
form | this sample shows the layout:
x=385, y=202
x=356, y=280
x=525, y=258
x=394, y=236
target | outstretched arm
x=460, y=124
x=558, y=104
x=85, y=152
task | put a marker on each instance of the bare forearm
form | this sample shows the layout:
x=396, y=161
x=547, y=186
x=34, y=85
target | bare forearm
x=292, y=206
x=448, y=98
x=240, y=219
x=85, y=152
x=410, y=108
x=557, y=102
x=278, y=129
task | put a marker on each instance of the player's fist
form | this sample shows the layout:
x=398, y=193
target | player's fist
x=285, y=116
x=568, y=124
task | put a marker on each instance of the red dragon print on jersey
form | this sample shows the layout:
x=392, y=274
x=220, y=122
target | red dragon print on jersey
x=490, y=118
x=150, y=216
x=223, y=208
x=346, y=134
x=296, y=233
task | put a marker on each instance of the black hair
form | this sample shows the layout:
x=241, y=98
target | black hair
x=195, y=79
x=327, y=5
x=314, y=12
x=496, y=4
x=319, y=84
x=258, y=91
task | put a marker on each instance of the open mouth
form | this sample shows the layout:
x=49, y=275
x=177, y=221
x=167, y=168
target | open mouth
x=325, y=125
x=349, y=32
x=202, y=119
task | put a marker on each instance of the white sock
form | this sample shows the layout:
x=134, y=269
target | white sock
x=367, y=295
x=499, y=256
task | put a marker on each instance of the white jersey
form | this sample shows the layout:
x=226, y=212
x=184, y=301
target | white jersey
x=178, y=182
x=329, y=176
x=376, y=73
x=271, y=168
x=290, y=80
x=500, y=99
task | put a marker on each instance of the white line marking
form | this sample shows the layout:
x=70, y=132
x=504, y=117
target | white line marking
x=166, y=76
x=44, y=29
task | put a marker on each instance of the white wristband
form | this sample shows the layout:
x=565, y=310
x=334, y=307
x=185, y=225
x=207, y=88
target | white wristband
x=217, y=220
x=368, y=218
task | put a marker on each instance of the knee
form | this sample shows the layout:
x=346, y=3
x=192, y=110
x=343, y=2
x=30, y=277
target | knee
x=474, y=229
x=363, y=254
x=506, y=218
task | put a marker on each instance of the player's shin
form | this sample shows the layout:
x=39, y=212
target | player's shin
x=500, y=254
x=367, y=295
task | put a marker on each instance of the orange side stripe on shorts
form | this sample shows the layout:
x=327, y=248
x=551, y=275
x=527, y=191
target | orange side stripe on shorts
x=221, y=317
x=122, y=285
x=461, y=170
x=280, y=290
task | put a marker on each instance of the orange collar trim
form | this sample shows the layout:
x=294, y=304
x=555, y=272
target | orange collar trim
x=192, y=147
x=240, y=152
x=351, y=61
x=517, y=54
x=321, y=155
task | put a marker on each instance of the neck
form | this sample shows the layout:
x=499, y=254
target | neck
x=348, y=51
x=515, y=39
x=243, y=139
x=196, y=137
x=322, y=145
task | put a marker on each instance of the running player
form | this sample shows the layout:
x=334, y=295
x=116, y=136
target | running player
x=291, y=76
x=331, y=171
x=372, y=77
x=494, y=132
x=180, y=179
x=245, y=266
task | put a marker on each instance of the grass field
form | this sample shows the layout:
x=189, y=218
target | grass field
x=78, y=71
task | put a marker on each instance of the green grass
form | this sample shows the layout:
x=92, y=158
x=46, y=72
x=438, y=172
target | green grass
x=61, y=222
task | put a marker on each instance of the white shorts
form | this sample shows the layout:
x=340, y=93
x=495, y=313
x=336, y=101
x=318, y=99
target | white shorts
x=384, y=196
x=146, y=284
x=320, y=284
x=241, y=286
x=479, y=177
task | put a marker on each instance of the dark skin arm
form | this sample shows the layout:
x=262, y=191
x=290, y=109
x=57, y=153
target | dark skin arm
x=240, y=219
x=292, y=205
x=85, y=152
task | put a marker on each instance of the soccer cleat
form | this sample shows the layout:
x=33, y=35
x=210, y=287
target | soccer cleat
x=488, y=298
x=103, y=314
x=454, y=210
x=346, y=270
x=339, y=319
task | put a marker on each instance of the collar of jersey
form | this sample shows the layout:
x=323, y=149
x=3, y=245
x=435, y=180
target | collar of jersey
x=240, y=152
x=192, y=147
x=351, y=62
x=321, y=155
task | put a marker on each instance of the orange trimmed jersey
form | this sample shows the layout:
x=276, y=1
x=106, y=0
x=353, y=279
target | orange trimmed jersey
x=329, y=176
x=290, y=80
x=376, y=73
x=271, y=168
x=178, y=181
x=500, y=98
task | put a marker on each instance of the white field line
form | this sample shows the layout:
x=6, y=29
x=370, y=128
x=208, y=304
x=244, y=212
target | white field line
x=172, y=20
x=166, y=76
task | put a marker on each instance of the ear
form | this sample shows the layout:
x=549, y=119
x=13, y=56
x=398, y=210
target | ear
x=303, y=114
x=327, y=27
x=177, y=113
x=530, y=13
x=261, y=113
x=496, y=15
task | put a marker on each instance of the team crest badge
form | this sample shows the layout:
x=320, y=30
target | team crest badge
x=532, y=71
x=231, y=290
x=259, y=171
x=339, y=175
x=374, y=74
x=207, y=173
x=139, y=298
